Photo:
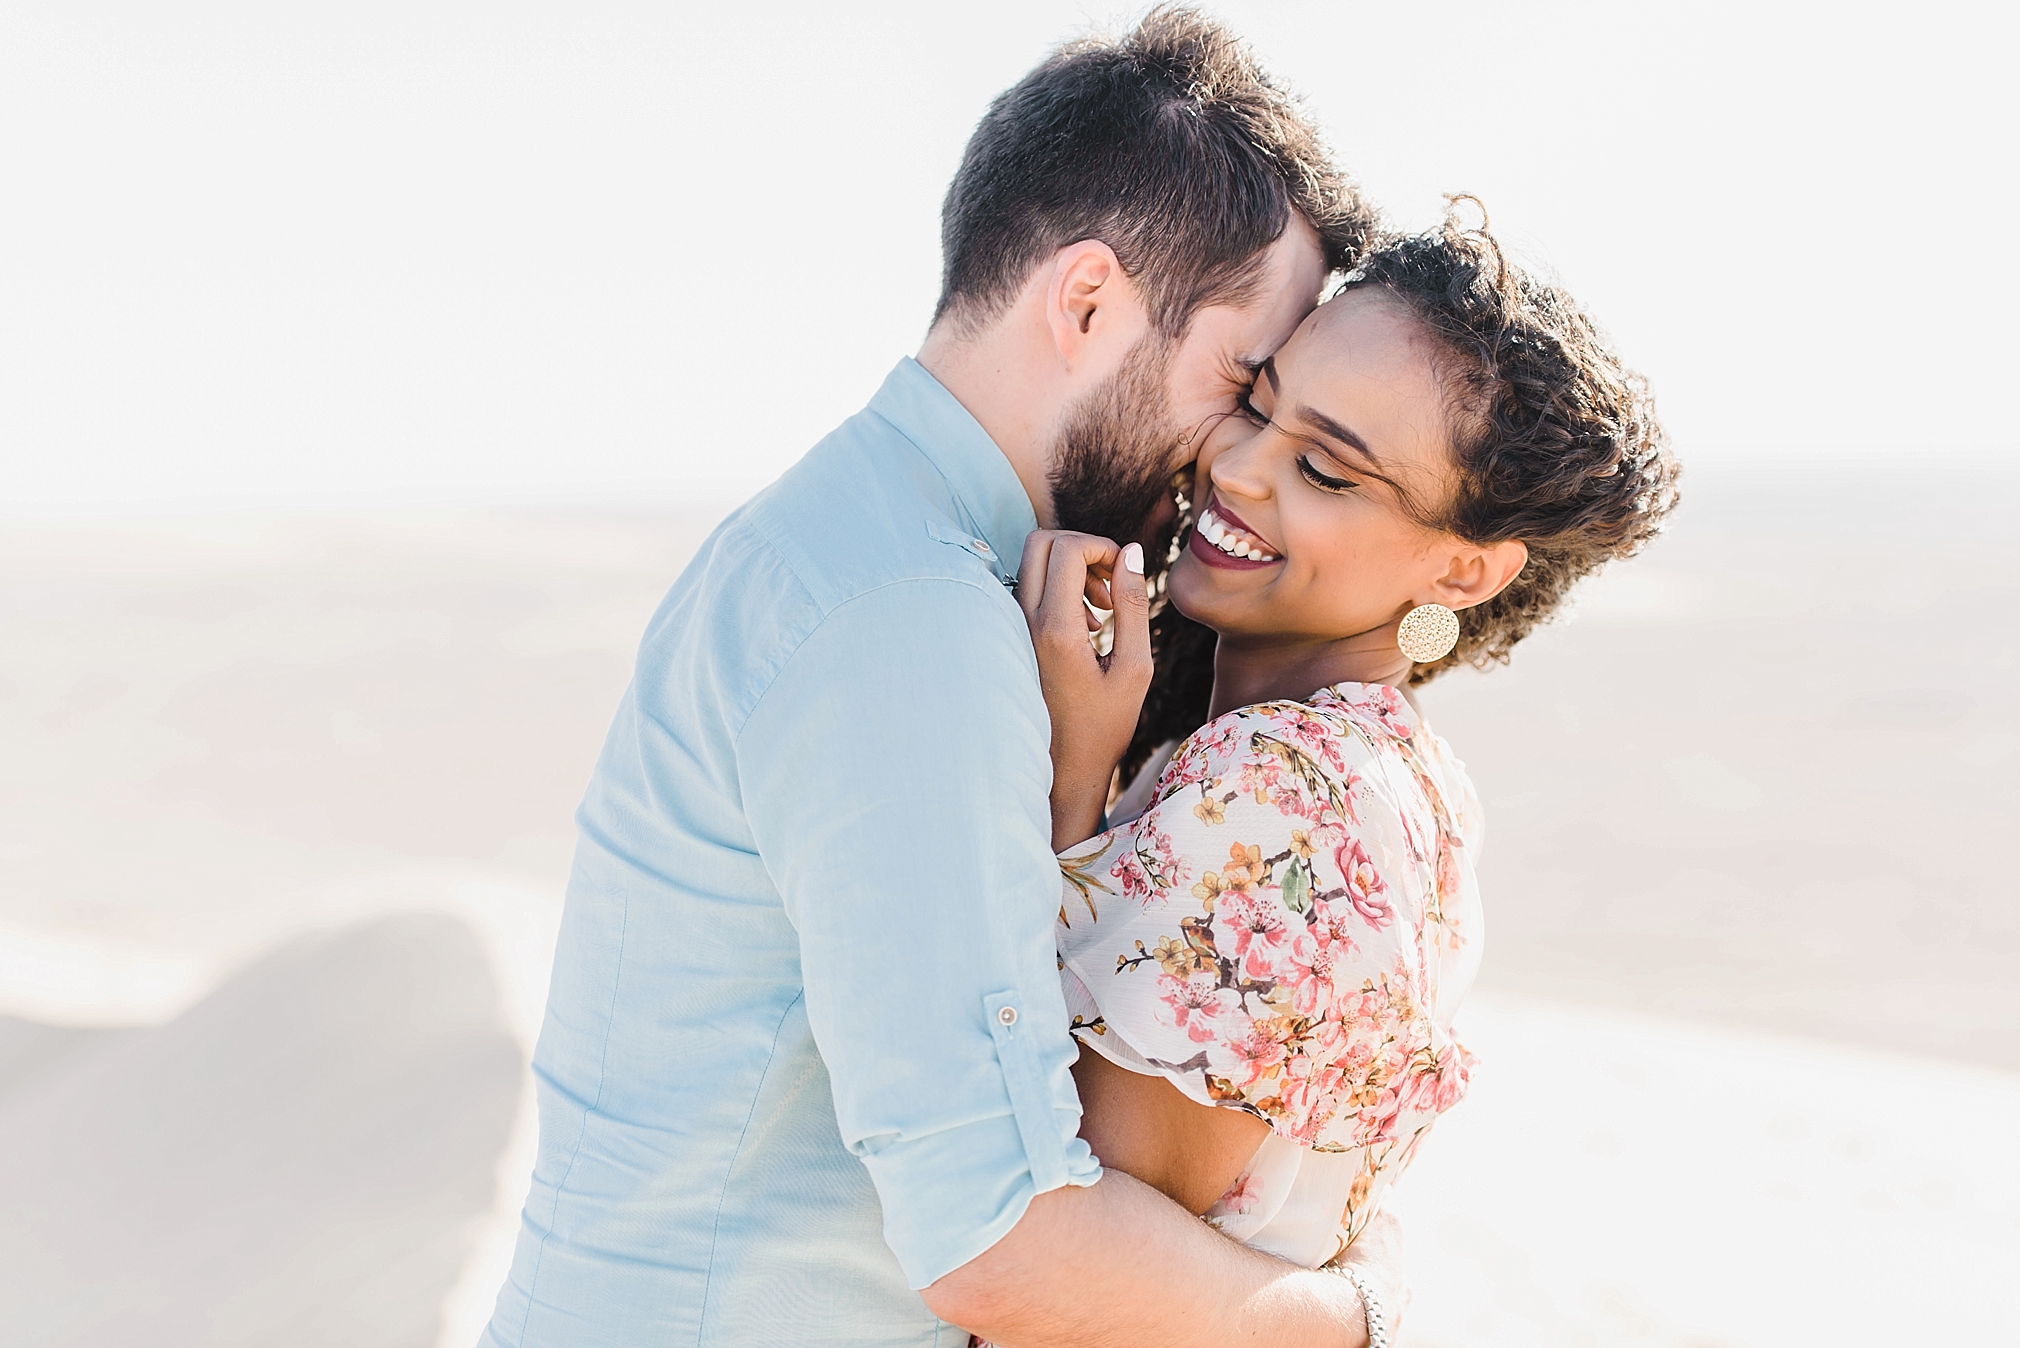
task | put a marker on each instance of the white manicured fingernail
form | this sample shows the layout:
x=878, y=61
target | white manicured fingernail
x=1132, y=559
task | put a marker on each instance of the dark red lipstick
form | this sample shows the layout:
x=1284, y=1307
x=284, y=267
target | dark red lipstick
x=1214, y=513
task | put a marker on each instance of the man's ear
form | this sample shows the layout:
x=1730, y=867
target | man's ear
x=1478, y=574
x=1091, y=305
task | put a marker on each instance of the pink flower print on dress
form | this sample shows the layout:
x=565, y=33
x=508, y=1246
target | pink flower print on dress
x=1308, y=977
x=1357, y=1058
x=1195, y=1004
x=1364, y=884
x=1376, y=705
x=1311, y=975
x=1148, y=864
x=1262, y=779
x=1392, y=712
x=1327, y=1038
x=1247, y=922
x=1439, y=1084
x=1318, y=739
x=1377, y=1122
x=1313, y=1089
x=1216, y=747
x=1241, y=1197
x=1193, y=763
x=1250, y=1057
x=1135, y=880
x=1329, y=926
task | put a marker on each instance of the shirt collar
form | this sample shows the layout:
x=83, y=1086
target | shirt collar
x=986, y=489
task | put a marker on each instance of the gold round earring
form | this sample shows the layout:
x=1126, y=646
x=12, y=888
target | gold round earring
x=1428, y=633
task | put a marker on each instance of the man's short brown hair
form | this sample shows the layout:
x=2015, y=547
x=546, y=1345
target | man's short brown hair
x=1171, y=145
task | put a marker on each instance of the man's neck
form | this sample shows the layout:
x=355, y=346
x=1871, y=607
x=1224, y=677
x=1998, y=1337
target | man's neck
x=1000, y=377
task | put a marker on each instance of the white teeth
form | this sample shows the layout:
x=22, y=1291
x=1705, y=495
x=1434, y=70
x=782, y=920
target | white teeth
x=1228, y=541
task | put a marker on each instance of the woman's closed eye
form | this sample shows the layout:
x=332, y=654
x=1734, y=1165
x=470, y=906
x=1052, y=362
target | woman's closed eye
x=1245, y=404
x=1321, y=480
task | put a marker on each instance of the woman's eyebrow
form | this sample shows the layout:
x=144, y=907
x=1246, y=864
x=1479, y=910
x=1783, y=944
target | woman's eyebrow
x=1311, y=416
x=1334, y=430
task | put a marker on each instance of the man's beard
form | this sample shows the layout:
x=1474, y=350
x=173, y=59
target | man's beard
x=1112, y=463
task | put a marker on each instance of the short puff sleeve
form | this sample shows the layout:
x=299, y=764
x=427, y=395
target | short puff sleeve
x=1257, y=936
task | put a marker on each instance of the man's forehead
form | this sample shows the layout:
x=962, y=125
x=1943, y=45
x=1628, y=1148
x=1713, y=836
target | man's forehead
x=1300, y=249
x=1295, y=272
x=1250, y=332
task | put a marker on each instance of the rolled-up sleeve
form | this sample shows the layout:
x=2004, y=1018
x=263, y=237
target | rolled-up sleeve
x=895, y=775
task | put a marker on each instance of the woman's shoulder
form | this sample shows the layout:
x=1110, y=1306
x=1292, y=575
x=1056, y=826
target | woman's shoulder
x=1315, y=747
x=1259, y=934
x=1250, y=791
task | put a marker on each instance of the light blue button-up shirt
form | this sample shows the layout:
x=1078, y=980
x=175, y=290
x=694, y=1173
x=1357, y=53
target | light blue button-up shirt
x=805, y=1049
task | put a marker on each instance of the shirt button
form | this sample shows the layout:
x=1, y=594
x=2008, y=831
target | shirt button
x=982, y=548
x=1007, y=1016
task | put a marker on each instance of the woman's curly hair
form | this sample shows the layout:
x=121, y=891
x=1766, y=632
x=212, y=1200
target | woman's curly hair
x=1556, y=443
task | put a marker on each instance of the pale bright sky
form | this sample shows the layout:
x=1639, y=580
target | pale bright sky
x=437, y=248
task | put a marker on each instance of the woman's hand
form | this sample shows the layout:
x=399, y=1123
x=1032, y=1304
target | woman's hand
x=1094, y=700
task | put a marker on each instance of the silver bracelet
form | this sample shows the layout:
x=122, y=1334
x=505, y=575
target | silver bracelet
x=1371, y=1305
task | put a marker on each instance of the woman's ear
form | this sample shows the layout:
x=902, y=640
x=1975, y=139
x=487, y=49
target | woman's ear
x=1091, y=306
x=1478, y=574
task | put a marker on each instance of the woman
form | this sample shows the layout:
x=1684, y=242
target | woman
x=1264, y=950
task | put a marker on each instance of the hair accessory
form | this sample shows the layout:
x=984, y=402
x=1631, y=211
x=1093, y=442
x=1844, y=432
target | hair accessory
x=1428, y=632
x=1371, y=1305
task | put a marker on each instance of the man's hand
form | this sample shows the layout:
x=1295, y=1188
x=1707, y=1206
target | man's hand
x=1120, y=1264
x=1094, y=700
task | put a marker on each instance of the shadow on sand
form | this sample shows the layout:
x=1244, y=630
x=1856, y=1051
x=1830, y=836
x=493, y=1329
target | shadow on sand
x=301, y=1158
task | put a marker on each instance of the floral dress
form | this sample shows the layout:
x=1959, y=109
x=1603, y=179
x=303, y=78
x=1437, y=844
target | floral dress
x=1288, y=930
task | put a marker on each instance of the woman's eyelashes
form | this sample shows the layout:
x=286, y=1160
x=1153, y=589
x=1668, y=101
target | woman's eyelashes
x=1320, y=480
x=1245, y=403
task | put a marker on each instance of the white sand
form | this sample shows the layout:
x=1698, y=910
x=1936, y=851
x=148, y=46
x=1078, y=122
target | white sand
x=302, y=1158
x=1747, y=791
x=1623, y=1179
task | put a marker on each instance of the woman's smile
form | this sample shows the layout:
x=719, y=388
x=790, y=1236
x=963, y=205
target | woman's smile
x=1223, y=540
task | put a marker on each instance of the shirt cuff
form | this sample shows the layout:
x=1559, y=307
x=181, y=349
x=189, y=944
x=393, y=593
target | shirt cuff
x=950, y=1195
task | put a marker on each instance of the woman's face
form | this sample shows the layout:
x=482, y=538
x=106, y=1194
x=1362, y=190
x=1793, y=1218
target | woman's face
x=1307, y=485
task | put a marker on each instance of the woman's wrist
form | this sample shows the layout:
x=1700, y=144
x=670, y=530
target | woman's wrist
x=1078, y=798
x=1075, y=820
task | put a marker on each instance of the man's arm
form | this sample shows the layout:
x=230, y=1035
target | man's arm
x=895, y=776
x=1148, y=1134
x=1120, y=1264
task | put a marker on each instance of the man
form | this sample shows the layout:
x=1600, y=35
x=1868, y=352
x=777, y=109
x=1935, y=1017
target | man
x=804, y=1077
